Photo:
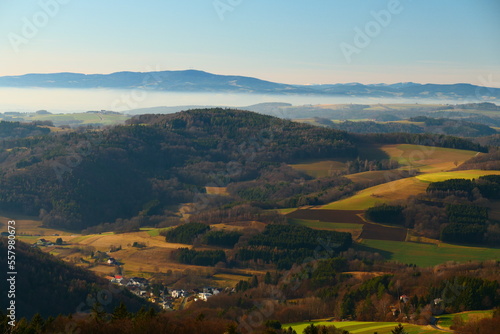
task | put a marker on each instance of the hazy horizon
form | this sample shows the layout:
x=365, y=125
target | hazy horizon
x=72, y=100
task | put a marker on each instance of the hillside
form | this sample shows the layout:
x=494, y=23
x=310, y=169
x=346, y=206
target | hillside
x=79, y=179
x=50, y=287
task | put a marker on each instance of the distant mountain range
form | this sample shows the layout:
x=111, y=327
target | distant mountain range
x=199, y=81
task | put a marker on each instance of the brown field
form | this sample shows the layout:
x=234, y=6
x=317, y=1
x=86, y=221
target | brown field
x=319, y=169
x=29, y=225
x=331, y=216
x=216, y=190
x=381, y=232
x=238, y=226
x=365, y=274
x=371, y=176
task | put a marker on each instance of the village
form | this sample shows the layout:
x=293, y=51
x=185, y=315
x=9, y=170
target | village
x=165, y=297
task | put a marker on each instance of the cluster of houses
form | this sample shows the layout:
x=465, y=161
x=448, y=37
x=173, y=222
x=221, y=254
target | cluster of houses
x=141, y=287
x=43, y=243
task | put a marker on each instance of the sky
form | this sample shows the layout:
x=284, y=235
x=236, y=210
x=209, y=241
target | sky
x=287, y=41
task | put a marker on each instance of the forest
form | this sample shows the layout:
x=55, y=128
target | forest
x=170, y=159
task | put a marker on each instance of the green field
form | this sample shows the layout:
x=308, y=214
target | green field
x=319, y=225
x=466, y=174
x=445, y=321
x=154, y=232
x=76, y=118
x=362, y=327
x=426, y=255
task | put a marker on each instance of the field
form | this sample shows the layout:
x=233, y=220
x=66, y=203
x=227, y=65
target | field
x=319, y=169
x=427, y=159
x=399, y=189
x=319, y=225
x=346, y=221
x=383, y=193
x=362, y=327
x=28, y=226
x=425, y=255
x=330, y=216
x=216, y=190
x=381, y=232
x=466, y=174
x=77, y=118
x=445, y=321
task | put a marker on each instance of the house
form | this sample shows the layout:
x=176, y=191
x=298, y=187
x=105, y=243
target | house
x=204, y=296
x=404, y=298
x=117, y=279
x=111, y=261
x=437, y=301
x=138, y=281
x=178, y=293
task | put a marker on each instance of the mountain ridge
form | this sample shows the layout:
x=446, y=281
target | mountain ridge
x=201, y=81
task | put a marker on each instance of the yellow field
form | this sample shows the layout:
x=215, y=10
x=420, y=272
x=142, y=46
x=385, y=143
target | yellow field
x=399, y=189
x=319, y=169
x=383, y=193
x=427, y=159
x=230, y=279
x=28, y=225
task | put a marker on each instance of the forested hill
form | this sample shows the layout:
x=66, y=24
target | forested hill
x=79, y=179
x=50, y=287
x=20, y=130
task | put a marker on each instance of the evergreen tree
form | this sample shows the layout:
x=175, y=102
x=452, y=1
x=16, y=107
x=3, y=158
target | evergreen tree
x=399, y=329
x=120, y=312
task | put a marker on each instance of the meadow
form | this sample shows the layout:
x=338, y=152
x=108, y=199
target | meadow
x=362, y=327
x=427, y=255
x=446, y=320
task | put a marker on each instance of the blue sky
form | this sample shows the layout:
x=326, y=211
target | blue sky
x=445, y=41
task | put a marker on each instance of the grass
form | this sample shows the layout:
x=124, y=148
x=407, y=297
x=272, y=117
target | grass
x=445, y=321
x=362, y=327
x=319, y=169
x=466, y=174
x=319, y=225
x=427, y=255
